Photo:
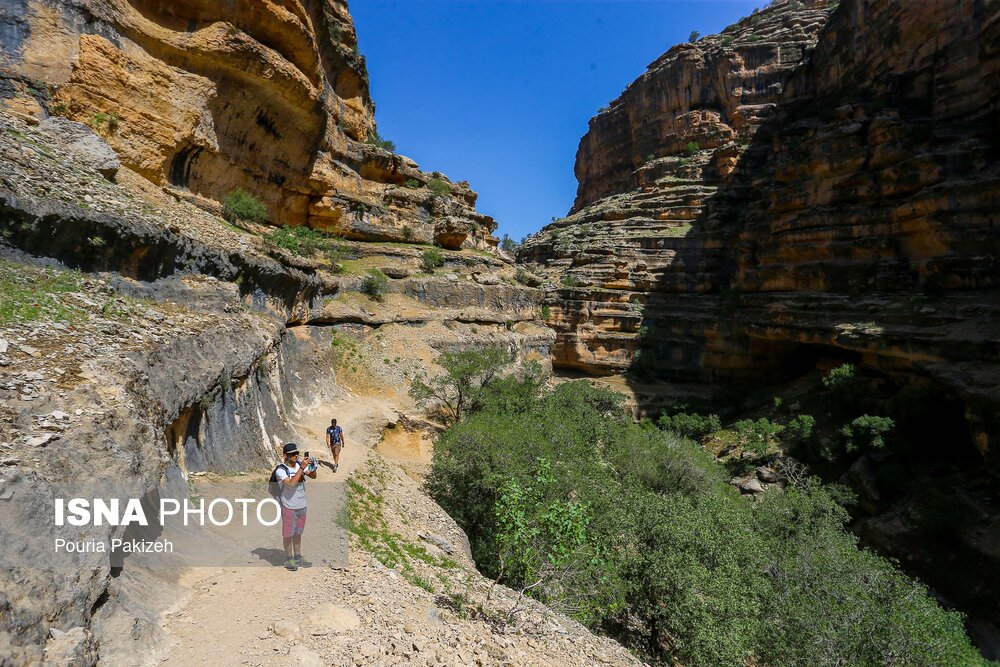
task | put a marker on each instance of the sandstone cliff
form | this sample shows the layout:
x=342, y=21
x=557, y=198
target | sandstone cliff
x=271, y=97
x=143, y=333
x=180, y=345
x=754, y=205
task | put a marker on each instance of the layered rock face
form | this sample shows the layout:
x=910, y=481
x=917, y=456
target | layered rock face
x=271, y=97
x=180, y=345
x=647, y=166
x=753, y=207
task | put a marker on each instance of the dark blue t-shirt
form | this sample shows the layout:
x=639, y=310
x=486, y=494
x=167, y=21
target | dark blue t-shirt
x=336, y=435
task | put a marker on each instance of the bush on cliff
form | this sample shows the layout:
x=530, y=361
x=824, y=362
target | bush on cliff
x=656, y=549
x=241, y=205
x=431, y=259
x=375, y=284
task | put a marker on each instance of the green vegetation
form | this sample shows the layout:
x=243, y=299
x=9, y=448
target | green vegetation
x=692, y=147
x=241, y=205
x=369, y=526
x=545, y=313
x=690, y=425
x=377, y=140
x=633, y=530
x=439, y=187
x=412, y=183
x=756, y=437
x=305, y=242
x=375, y=284
x=105, y=123
x=865, y=433
x=28, y=294
x=508, y=244
x=466, y=375
x=844, y=387
x=569, y=281
x=407, y=232
x=431, y=259
x=693, y=37
x=727, y=40
x=802, y=429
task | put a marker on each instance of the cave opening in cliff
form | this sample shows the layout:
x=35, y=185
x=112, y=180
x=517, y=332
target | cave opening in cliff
x=181, y=164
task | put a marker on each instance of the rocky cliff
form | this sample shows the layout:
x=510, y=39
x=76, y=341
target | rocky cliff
x=814, y=185
x=271, y=97
x=141, y=332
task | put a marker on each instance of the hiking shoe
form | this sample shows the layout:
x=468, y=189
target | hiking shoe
x=303, y=562
x=291, y=564
x=335, y=466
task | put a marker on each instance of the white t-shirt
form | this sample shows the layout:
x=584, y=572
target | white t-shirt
x=293, y=496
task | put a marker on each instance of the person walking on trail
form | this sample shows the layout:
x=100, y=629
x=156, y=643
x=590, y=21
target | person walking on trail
x=335, y=441
x=291, y=476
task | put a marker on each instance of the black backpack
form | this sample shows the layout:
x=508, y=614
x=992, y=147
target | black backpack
x=274, y=484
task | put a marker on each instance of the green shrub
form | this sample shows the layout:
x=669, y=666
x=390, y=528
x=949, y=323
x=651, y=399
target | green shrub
x=104, y=122
x=377, y=140
x=464, y=376
x=844, y=387
x=431, y=259
x=568, y=474
x=439, y=187
x=508, y=244
x=693, y=37
x=866, y=432
x=241, y=205
x=375, y=284
x=407, y=232
x=545, y=313
x=756, y=437
x=302, y=241
x=412, y=183
x=727, y=40
x=778, y=581
x=690, y=425
x=569, y=281
x=692, y=147
x=802, y=429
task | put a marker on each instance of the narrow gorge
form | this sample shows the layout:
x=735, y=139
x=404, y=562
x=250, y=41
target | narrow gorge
x=206, y=249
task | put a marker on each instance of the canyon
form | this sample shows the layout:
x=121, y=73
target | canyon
x=815, y=185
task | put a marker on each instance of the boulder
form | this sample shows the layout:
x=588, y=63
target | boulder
x=83, y=144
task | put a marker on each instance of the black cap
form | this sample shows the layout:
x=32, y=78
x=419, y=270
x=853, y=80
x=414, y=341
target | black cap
x=290, y=448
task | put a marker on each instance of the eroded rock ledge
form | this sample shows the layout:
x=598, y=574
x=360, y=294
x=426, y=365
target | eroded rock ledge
x=271, y=97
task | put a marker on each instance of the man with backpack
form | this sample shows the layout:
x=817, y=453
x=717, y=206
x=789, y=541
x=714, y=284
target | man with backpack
x=288, y=488
x=335, y=440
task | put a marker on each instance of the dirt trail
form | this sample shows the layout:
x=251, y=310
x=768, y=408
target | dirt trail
x=410, y=596
x=229, y=615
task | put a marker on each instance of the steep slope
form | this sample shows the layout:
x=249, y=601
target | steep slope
x=270, y=97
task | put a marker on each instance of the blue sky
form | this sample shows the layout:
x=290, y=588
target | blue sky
x=498, y=93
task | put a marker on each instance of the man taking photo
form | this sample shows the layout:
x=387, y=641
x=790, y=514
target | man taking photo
x=291, y=476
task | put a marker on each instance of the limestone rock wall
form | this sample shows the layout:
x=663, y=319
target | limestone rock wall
x=840, y=204
x=271, y=97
